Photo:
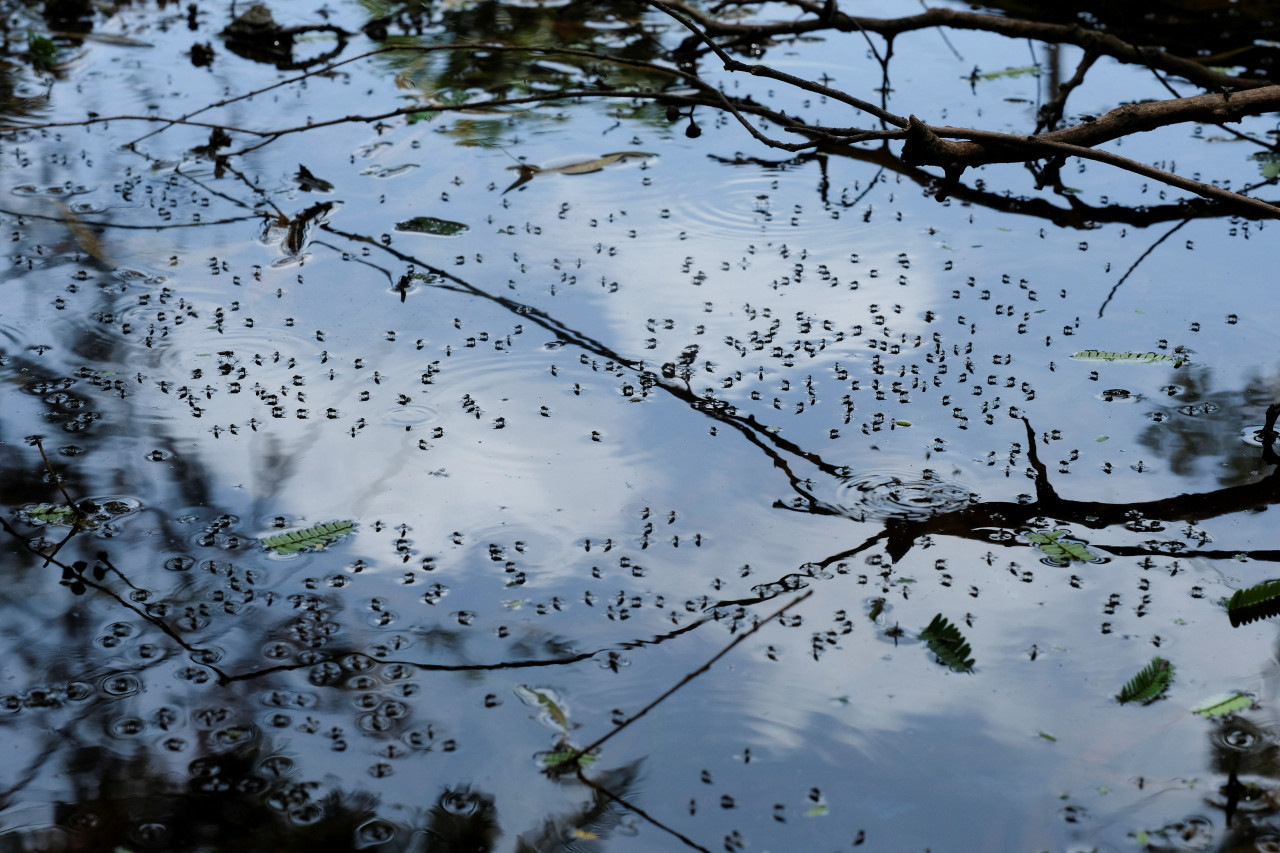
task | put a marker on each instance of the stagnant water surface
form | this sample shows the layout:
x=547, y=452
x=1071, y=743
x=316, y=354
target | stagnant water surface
x=567, y=453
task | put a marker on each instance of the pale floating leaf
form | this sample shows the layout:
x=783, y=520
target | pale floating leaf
x=1022, y=71
x=1060, y=550
x=577, y=167
x=544, y=699
x=1132, y=357
x=1222, y=704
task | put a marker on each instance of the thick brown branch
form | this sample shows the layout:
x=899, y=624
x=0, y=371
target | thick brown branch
x=1091, y=40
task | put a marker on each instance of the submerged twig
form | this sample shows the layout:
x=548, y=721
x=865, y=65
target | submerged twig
x=577, y=755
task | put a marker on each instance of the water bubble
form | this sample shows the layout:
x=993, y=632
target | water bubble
x=126, y=727
x=462, y=802
x=1268, y=842
x=375, y=832
x=151, y=834
x=306, y=814
x=120, y=685
x=179, y=563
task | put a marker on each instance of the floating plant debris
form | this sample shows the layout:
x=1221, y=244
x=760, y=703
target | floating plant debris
x=1140, y=357
x=577, y=167
x=308, y=182
x=432, y=225
x=1060, y=551
x=1254, y=603
x=550, y=705
x=1223, y=704
x=88, y=512
x=948, y=644
x=1149, y=684
x=316, y=537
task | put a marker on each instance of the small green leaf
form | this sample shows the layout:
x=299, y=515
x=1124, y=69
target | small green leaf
x=42, y=51
x=432, y=225
x=1256, y=594
x=1060, y=550
x=316, y=537
x=1133, y=357
x=555, y=759
x=948, y=644
x=1021, y=71
x=55, y=514
x=877, y=607
x=1148, y=685
x=1102, y=438
x=819, y=810
x=1048, y=737
x=1222, y=704
x=903, y=423
x=1270, y=161
x=546, y=700
x=1256, y=602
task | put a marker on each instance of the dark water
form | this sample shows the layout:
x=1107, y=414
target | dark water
x=572, y=450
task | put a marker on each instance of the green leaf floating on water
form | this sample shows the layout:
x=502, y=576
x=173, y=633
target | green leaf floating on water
x=431, y=225
x=555, y=759
x=1270, y=161
x=545, y=700
x=1222, y=704
x=877, y=607
x=1062, y=551
x=1257, y=594
x=312, y=537
x=1022, y=71
x=1254, y=603
x=1149, y=684
x=948, y=644
x=1139, y=357
x=578, y=167
x=57, y=514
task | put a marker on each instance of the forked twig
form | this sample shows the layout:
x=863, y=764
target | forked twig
x=577, y=754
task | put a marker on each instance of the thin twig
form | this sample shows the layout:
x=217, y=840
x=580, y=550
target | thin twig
x=577, y=754
x=39, y=443
x=756, y=70
x=1141, y=258
x=684, y=839
x=71, y=504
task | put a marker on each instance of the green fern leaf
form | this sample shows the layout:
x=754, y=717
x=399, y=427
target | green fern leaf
x=1256, y=602
x=1254, y=595
x=312, y=537
x=1143, y=357
x=1222, y=704
x=1148, y=685
x=948, y=644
